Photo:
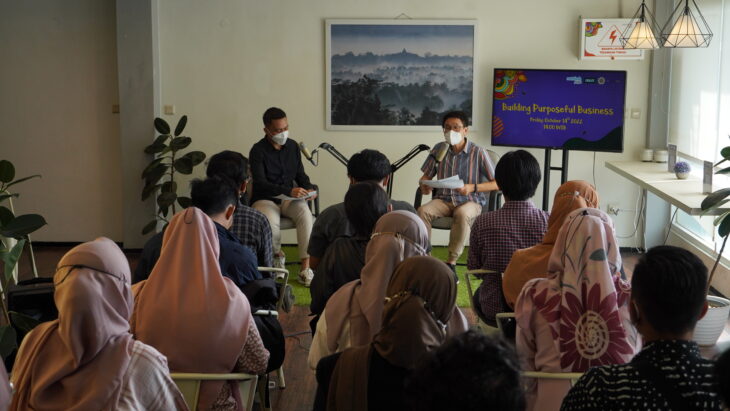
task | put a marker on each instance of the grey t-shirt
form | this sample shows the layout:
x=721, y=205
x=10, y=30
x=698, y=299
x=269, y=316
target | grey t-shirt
x=332, y=223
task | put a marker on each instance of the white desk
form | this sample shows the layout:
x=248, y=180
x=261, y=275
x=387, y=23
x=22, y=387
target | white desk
x=654, y=177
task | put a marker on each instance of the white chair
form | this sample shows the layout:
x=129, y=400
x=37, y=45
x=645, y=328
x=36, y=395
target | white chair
x=481, y=325
x=189, y=386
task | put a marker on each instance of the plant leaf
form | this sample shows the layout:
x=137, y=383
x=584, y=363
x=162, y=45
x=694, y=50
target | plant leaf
x=718, y=205
x=169, y=187
x=161, y=139
x=161, y=126
x=719, y=218
x=149, y=227
x=155, y=148
x=8, y=340
x=181, y=125
x=724, y=228
x=165, y=200
x=714, y=198
x=149, y=190
x=196, y=157
x=184, y=165
x=154, y=175
x=22, y=225
x=178, y=143
x=152, y=166
x=10, y=259
x=5, y=216
x=20, y=180
x=164, y=211
x=25, y=322
x=184, y=202
x=7, y=171
x=725, y=153
x=725, y=170
x=6, y=196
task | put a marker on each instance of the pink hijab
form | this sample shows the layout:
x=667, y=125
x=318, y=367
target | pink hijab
x=187, y=310
x=583, y=298
x=78, y=361
x=397, y=236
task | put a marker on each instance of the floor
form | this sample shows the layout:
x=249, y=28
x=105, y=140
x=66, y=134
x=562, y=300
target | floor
x=300, y=380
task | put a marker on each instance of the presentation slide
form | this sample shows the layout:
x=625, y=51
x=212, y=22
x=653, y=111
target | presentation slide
x=567, y=109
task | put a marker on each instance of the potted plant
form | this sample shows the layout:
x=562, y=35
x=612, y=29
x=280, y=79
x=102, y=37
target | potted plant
x=167, y=161
x=682, y=169
x=14, y=234
x=710, y=327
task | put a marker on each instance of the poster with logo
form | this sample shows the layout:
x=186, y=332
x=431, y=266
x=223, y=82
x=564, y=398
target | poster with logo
x=600, y=40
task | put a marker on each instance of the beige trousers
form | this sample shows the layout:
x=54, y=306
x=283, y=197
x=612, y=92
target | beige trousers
x=298, y=212
x=463, y=216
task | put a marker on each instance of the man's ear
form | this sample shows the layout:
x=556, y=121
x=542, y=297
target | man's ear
x=704, y=310
x=390, y=207
x=352, y=180
x=244, y=185
x=384, y=183
x=229, y=211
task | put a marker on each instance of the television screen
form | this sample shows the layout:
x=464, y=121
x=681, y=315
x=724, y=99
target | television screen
x=560, y=109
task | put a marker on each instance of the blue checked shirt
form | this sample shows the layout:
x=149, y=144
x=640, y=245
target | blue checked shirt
x=472, y=165
x=254, y=231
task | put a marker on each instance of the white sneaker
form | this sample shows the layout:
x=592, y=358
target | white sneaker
x=279, y=261
x=305, y=277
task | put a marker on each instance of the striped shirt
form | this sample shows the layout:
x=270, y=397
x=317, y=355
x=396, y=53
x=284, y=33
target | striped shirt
x=472, y=165
x=147, y=384
x=622, y=387
x=254, y=231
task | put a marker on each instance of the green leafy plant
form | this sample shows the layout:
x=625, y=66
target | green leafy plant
x=14, y=235
x=716, y=200
x=159, y=175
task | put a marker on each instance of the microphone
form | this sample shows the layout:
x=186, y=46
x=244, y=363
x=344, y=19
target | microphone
x=307, y=154
x=439, y=157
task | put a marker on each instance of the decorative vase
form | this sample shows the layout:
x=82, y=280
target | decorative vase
x=682, y=176
x=710, y=327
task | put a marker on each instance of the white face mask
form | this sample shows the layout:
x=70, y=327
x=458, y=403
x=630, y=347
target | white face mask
x=280, y=138
x=452, y=137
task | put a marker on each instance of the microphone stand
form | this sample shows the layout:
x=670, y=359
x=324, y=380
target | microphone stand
x=396, y=165
x=336, y=154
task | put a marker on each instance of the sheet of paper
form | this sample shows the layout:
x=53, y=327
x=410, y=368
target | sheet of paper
x=450, y=182
x=286, y=197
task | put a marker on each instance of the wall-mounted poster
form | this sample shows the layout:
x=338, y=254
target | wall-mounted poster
x=600, y=40
x=398, y=74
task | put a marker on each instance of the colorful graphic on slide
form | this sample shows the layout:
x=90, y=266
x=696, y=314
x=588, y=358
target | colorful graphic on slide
x=592, y=28
x=572, y=109
x=505, y=82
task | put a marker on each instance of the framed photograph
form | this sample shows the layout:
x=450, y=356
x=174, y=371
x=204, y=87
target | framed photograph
x=398, y=74
x=600, y=40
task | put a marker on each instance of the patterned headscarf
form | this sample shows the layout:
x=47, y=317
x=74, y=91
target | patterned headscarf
x=584, y=299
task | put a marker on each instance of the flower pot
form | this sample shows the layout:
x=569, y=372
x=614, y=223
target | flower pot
x=710, y=327
x=682, y=176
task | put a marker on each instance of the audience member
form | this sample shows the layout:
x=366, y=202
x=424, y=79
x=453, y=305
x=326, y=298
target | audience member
x=87, y=359
x=194, y=315
x=667, y=300
x=217, y=198
x=577, y=317
x=472, y=165
x=6, y=390
x=421, y=301
x=332, y=223
x=470, y=372
x=722, y=376
x=532, y=262
x=276, y=166
x=498, y=234
x=249, y=225
x=353, y=313
x=364, y=203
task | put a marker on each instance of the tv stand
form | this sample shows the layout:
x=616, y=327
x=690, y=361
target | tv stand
x=546, y=175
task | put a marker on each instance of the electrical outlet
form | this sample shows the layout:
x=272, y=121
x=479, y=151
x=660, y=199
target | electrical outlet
x=612, y=209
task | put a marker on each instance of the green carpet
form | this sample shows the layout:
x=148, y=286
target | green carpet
x=301, y=292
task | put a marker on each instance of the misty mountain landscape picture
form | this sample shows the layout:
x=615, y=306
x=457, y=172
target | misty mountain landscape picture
x=399, y=75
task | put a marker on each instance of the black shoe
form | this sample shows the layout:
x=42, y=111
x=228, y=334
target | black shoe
x=453, y=269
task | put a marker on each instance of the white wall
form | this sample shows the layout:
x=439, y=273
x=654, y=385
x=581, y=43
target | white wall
x=224, y=62
x=58, y=82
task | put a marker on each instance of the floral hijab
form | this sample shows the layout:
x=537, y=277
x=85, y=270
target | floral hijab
x=584, y=299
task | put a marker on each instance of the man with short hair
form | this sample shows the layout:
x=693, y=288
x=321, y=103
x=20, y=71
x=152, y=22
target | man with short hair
x=667, y=299
x=249, y=225
x=496, y=235
x=471, y=163
x=277, y=169
x=367, y=165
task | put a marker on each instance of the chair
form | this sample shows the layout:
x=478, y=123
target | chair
x=283, y=282
x=189, y=386
x=480, y=325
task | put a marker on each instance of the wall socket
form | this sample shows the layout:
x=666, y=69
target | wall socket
x=612, y=209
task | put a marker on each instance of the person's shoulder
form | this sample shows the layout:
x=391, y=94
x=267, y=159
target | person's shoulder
x=402, y=205
x=259, y=144
x=248, y=211
x=333, y=210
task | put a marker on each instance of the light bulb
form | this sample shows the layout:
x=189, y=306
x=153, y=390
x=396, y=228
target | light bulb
x=641, y=37
x=685, y=33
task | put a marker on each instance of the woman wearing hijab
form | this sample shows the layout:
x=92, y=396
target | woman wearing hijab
x=199, y=319
x=532, y=262
x=87, y=359
x=421, y=301
x=577, y=317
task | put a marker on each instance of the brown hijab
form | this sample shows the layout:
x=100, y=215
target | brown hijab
x=422, y=300
x=187, y=310
x=532, y=262
x=397, y=236
x=78, y=361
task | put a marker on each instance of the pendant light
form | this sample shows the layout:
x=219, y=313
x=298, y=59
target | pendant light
x=686, y=27
x=641, y=31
